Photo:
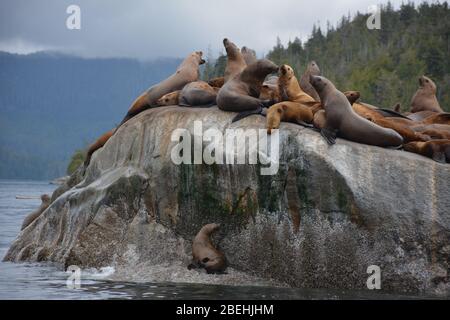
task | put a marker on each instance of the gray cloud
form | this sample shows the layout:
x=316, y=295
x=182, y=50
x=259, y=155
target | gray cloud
x=171, y=28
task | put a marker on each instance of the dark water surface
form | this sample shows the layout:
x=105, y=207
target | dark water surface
x=46, y=281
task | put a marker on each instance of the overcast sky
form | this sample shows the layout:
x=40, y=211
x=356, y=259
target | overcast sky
x=148, y=29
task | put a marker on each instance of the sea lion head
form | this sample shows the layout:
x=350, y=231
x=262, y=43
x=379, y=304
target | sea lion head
x=352, y=96
x=427, y=83
x=286, y=72
x=313, y=68
x=198, y=55
x=265, y=67
x=168, y=99
x=319, y=83
x=210, y=228
x=45, y=198
x=230, y=47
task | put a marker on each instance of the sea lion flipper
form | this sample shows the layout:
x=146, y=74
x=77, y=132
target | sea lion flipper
x=303, y=123
x=390, y=113
x=329, y=135
x=245, y=114
x=439, y=157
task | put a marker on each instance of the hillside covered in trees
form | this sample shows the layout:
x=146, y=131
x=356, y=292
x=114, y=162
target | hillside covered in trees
x=384, y=65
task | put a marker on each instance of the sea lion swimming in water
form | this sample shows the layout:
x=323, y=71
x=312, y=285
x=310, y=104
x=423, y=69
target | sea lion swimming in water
x=343, y=121
x=205, y=254
x=35, y=214
x=425, y=97
x=241, y=94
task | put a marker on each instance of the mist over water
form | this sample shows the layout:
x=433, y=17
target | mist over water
x=48, y=281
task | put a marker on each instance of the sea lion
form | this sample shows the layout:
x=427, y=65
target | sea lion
x=421, y=115
x=99, y=143
x=205, y=254
x=270, y=92
x=217, y=82
x=198, y=94
x=352, y=96
x=169, y=99
x=343, y=121
x=289, y=87
x=438, y=150
x=35, y=214
x=425, y=97
x=435, y=131
x=186, y=72
x=311, y=70
x=249, y=55
x=437, y=118
x=290, y=112
x=403, y=128
x=242, y=92
x=235, y=60
x=320, y=119
x=319, y=113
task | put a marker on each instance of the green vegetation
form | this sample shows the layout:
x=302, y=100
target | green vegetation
x=384, y=65
x=76, y=160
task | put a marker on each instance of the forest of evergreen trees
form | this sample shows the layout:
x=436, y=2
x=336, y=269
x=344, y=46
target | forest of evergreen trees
x=384, y=65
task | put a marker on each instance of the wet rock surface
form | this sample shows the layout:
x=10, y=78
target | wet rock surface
x=319, y=222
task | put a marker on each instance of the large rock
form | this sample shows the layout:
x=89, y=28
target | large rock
x=328, y=213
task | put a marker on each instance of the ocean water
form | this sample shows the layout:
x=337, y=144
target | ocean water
x=49, y=281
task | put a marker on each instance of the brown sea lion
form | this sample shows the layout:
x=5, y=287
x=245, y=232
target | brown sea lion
x=425, y=97
x=205, y=254
x=217, y=82
x=270, y=92
x=169, y=99
x=311, y=70
x=435, y=131
x=438, y=150
x=289, y=112
x=403, y=128
x=421, y=115
x=249, y=55
x=198, y=94
x=241, y=94
x=235, y=60
x=320, y=119
x=343, y=121
x=437, y=118
x=99, y=143
x=289, y=87
x=186, y=72
x=319, y=113
x=35, y=214
x=352, y=96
